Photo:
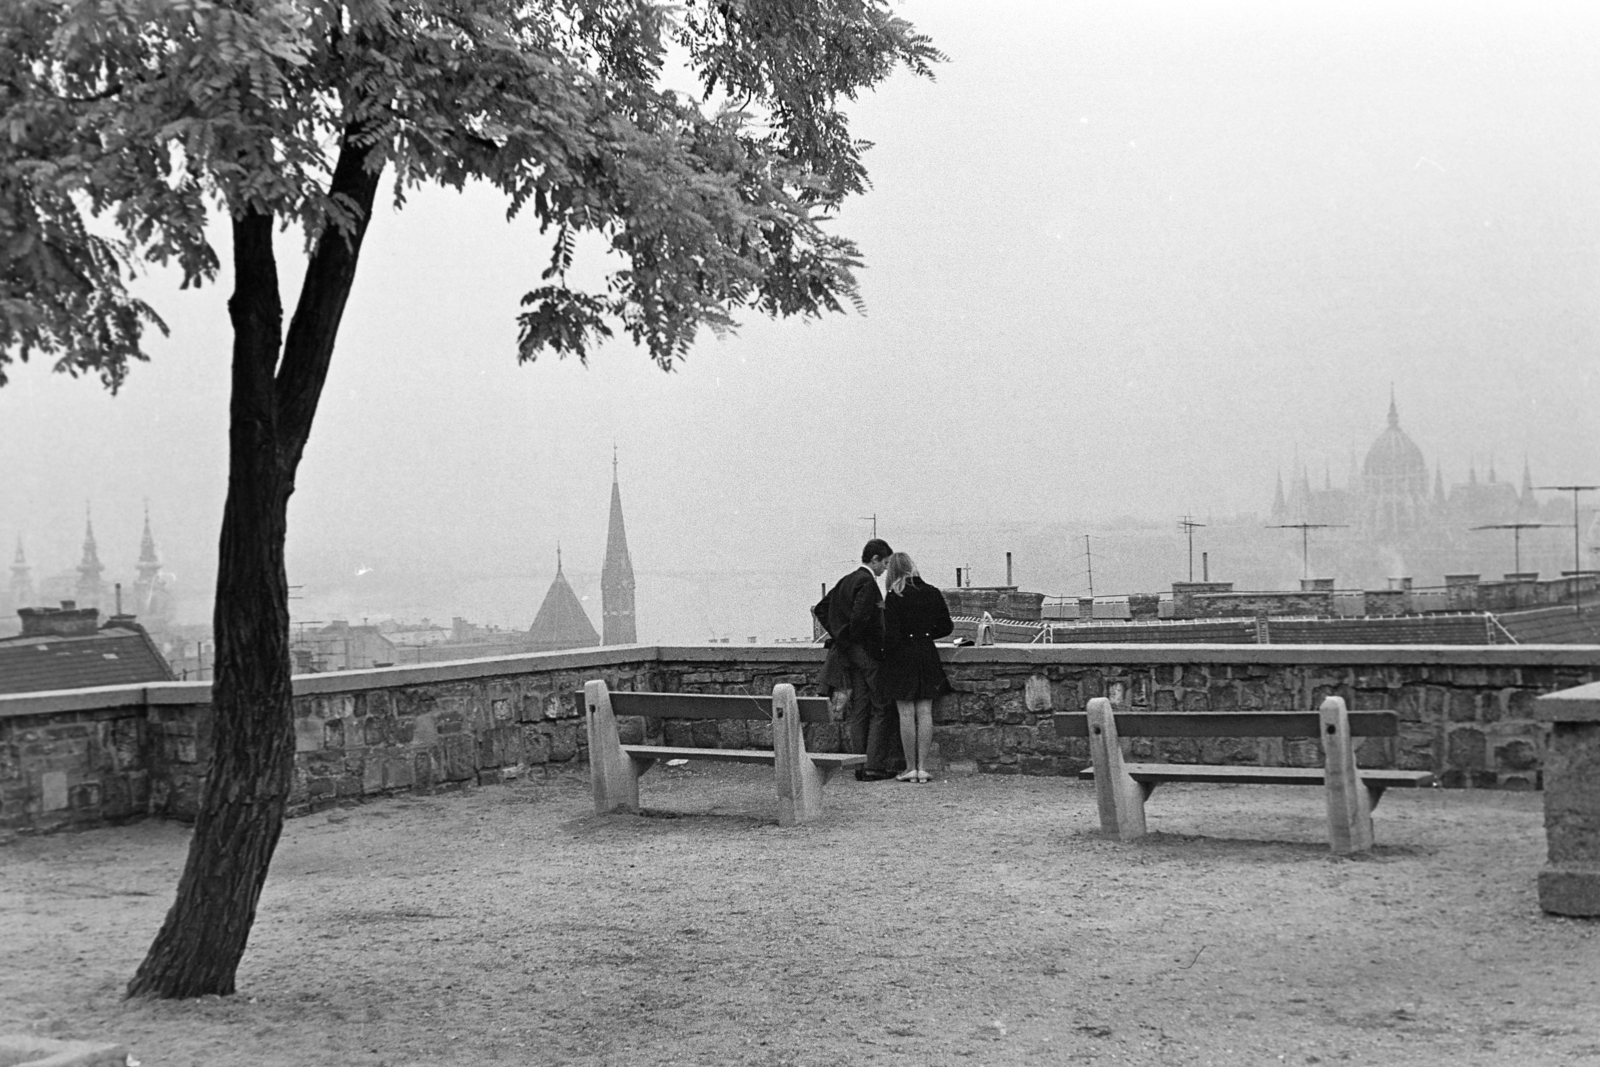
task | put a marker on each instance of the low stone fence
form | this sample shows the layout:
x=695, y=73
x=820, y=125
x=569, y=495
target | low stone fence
x=99, y=755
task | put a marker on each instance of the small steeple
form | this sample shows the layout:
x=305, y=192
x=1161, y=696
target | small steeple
x=21, y=591
x=91, y=588
x=617, y=619
x=1492, y=478
x=1394, y=411
x=1280, y=507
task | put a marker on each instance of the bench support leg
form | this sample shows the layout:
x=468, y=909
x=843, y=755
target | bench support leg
x=800, y=781
x=1121, y=799
x=613, y=776
x=1374, y=794
x=1349, y=806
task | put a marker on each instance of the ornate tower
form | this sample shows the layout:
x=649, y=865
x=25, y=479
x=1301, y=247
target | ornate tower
x=91, y=587
x=616, y=579
x=21, y=581
x=152, y=599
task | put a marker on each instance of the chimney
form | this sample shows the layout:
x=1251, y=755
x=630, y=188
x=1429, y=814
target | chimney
x=1008, y=570
x=66, y=621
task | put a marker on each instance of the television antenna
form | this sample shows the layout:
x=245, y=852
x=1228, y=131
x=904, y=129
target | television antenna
x=1577, y=550
x=1188, y=524
x=1305, y=529
x=1516, y=529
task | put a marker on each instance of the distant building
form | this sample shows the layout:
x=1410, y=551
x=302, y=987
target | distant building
x=616, y=579
x=1392, y=519
x=68, y=648
x=561, y=622
x=338, y=646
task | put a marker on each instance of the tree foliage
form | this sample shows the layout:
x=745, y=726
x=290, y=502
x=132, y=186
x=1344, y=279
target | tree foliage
x=125, y=123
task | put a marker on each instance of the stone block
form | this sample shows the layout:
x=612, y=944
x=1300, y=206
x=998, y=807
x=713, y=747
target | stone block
x=703, y=733
x=456, y=758
x=1037, y=694
x=53, y=791
x=425, y=730
x=1196, y=700
x=1518, y=754
x=372, y=778
x=535, y=745
x=308, y=733
x=1570, y=889
x=1376, y=752
x=1466, y=749
x=1165, y=700
x=563, y=743
x=85, y=797
x=399, y=772
x=732, y=733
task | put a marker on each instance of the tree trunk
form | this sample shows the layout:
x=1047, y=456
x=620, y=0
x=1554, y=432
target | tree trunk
x=246, y=789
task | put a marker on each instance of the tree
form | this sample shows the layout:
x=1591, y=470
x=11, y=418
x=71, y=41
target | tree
x=129, y=126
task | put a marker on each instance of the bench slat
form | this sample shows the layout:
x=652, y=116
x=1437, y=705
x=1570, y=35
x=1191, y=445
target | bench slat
x=1189, y=772
x=1229, y=724
x=737, y=755
x=709, y=706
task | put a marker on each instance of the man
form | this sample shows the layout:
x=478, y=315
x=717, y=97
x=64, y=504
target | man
x=854, y=621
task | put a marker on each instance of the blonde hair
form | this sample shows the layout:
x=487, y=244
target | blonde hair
x=900, y=570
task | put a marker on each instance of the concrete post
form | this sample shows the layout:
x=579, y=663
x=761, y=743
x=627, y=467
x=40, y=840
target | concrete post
x=1569, y=884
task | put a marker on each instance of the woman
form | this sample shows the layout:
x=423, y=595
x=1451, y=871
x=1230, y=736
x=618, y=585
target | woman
x=914, y=614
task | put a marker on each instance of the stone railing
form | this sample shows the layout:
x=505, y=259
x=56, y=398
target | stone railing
x=95, y=755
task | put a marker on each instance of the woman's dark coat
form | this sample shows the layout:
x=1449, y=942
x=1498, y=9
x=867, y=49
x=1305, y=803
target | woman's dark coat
x=912, y=621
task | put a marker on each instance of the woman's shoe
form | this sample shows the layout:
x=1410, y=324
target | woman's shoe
x=906, y=776
x=923, y=778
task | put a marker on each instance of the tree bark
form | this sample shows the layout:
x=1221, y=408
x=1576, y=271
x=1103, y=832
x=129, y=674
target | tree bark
x=246, y=790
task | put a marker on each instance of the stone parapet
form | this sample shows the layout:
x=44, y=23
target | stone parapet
x=1569, y=884
x=87, y=757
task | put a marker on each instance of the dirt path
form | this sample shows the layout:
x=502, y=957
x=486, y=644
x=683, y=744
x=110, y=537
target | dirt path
x=973, y=921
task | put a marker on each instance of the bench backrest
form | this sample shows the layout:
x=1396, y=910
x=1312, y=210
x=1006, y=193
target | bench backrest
x=1229, y=724
x=709, y=706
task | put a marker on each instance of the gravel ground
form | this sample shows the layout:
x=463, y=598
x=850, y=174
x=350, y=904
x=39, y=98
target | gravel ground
x=977, y=920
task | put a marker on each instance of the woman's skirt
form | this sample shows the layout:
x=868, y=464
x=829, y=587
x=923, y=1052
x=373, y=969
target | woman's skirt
x=911, y=671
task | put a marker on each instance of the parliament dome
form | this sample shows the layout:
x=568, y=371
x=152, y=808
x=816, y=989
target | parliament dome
x=1394, y=463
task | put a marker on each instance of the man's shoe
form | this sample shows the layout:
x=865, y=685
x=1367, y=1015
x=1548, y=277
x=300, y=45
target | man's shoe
x=865, y=775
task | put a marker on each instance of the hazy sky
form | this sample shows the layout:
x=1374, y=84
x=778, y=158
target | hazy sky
x=1122, y=259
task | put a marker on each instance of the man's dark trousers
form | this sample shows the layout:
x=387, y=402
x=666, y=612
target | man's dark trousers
x=870, y=728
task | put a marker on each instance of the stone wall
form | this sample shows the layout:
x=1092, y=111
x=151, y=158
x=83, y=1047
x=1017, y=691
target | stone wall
x=92, y=756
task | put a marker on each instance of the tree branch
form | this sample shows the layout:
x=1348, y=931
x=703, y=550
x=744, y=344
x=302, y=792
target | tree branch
x=308, y=349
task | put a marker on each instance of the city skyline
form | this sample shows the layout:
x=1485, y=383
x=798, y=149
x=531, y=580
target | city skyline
x=1121, y=260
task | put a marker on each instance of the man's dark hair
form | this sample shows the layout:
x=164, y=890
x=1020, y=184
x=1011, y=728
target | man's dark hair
x=876, y=549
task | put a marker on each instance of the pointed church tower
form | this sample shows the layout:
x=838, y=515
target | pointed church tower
x=616, y=579
x=561, y=622
x=152, y=598
x=21, y=591
x=91, y=587
x=1528, y=504
x=1280, y=506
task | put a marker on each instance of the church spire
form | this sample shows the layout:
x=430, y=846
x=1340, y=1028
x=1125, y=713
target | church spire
x=1394, y=411
x=21, y=580
x=616, y=578
x=91, y=588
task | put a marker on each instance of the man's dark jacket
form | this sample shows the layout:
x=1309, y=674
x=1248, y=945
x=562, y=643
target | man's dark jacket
x=854, y=616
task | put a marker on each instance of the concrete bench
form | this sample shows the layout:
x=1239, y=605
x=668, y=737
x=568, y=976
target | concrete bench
x=614, y=768
x=1122, y=787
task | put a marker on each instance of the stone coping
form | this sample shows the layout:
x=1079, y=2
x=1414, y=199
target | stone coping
x=1579, y=704
x=181, y=693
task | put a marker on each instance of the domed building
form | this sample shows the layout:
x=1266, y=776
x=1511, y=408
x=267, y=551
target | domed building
x=1394, y=484
x=1395, y=518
